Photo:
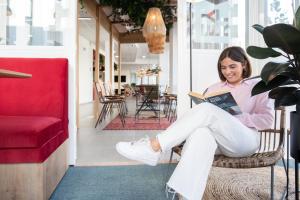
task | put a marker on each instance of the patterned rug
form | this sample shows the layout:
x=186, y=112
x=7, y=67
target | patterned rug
x=140, y=124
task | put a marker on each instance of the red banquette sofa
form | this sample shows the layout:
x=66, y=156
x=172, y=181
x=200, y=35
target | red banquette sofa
x=33, y=127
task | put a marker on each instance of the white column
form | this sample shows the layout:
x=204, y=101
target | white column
x=173, y=57
x=71, y=47
x=163, y=78
x=182, y=77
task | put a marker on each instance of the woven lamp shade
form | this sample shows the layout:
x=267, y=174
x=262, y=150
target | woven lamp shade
x=156, y=43
x=154, y=31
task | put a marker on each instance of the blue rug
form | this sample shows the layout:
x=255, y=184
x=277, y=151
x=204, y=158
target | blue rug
x=141, y=182
x=138, y=182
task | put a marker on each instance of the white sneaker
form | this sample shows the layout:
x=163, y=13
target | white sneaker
x=140, y=150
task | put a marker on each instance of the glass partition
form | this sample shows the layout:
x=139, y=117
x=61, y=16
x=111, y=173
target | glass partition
x=33, y=22
x=216, y=24
x=279, y=11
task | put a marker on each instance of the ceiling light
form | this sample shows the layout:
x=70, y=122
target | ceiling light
x=154, y=31
x=143, y=56
x=85, y=18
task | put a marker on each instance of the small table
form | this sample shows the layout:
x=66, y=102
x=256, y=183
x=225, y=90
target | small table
x=13, y=74
x=150, y=101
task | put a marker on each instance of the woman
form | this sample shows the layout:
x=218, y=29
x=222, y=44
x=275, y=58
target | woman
x=208, y=129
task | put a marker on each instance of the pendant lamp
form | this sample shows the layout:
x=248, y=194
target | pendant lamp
x=154, y=31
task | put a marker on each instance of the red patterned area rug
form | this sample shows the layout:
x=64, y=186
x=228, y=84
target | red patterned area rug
x=141, y=124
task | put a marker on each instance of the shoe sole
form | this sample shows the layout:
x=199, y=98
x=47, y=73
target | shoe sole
x=148, y=162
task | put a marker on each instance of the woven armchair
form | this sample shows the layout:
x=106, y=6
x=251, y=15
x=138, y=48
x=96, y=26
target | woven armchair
x=270, y=151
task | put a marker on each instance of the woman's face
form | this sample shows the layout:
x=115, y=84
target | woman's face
x=232, y=70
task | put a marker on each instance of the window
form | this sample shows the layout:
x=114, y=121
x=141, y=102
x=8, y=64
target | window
x=279, y=11
x=216, y=24
x=123, y=79
x=33, y=22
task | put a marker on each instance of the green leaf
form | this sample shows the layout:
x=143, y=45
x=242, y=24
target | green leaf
x=279, y=92
x=297, y=95
x=284, y=96
x=297, y=18
x=272, y=69
x=262, y=53
x=258, y=27
x=288, y=100
x=292, y=74
x=262, y=87
x=283, y=36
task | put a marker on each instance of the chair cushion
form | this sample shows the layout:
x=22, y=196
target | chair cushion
x=27, y=131
x=264, y=159
x=32, y=155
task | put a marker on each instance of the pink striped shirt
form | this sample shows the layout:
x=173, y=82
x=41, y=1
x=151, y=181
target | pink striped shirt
x=257, y=110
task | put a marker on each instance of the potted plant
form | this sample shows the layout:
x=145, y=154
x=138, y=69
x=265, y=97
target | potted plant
x=282, y=79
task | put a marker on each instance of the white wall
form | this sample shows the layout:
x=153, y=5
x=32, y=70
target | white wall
x=129, y=69
x=164, y=63
x=85, y=70
x=107, y=62
x=205, y=70
x=162, y=60
x=125, y=71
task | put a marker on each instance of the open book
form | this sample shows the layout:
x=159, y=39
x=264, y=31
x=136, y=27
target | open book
x=222, y=99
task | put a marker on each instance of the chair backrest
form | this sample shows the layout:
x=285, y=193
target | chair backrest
x=44, y=94
x=152, y=92
x=167, y=89
x=273, y=139
x=108, y=89
x=99, y=91
x=103, y=89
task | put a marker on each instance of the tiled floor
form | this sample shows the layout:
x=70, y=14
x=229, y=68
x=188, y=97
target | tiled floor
x=96, y=147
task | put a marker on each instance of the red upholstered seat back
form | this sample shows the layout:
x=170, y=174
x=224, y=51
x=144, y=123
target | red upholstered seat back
x=45, y=94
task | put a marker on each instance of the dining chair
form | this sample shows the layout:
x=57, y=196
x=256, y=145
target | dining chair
x=271, y=150
x=107, y=105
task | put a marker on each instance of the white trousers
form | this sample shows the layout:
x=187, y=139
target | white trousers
x=207, y=129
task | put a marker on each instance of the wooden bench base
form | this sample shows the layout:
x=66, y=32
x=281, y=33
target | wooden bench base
x=33, y=181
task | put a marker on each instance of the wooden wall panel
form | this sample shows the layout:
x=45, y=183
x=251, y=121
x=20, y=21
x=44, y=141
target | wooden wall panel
x=34, y=181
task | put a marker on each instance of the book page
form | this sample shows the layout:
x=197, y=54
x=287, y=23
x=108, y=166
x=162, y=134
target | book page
x=197, y=95
x=215, y=93
x=222, y=99
x=226, y=102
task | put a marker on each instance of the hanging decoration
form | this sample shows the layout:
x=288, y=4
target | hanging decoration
x=132, y=13
x=154, y=31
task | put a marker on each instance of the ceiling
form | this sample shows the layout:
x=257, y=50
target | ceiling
x=120, y=28
x=137, y=52
x=124, y=27
x=130, y=52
